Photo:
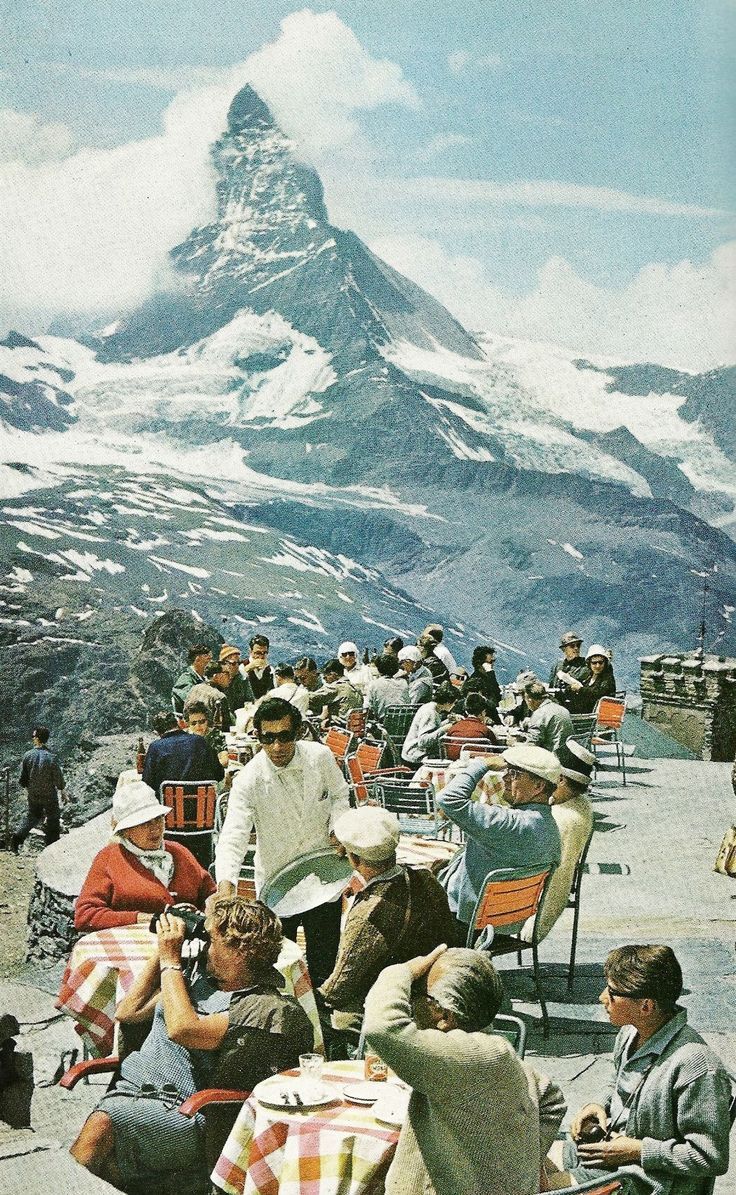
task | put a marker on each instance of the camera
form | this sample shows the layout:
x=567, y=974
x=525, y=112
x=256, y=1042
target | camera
x=192, y=918
x=591, y=1133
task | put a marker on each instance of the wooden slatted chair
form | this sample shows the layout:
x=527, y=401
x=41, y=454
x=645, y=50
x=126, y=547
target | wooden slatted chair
x=509, y=897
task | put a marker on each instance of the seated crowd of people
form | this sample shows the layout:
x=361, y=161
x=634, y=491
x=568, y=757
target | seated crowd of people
x=399, y=961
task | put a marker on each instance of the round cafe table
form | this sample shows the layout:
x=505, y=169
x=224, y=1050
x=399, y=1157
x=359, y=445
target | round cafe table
x=340, y=1148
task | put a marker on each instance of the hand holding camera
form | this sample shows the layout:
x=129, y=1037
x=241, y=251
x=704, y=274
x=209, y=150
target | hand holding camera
x=590, y=1125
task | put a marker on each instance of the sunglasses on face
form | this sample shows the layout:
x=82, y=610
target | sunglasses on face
x=269, y=737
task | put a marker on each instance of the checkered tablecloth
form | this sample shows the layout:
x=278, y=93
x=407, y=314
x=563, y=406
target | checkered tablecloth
x=337, y=1150
x=103, y=966
x=489, y=788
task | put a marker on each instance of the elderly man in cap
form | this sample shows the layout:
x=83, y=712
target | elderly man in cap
x=398, y=913
x=480, y=1120
x=573, y=813
x=421, y=683
x=550, y=724
x=522, y=835
x=571, y=668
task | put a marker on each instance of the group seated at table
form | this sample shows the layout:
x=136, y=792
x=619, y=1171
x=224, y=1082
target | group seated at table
x=400, y=912
x=225, y=1025
x=138, y=874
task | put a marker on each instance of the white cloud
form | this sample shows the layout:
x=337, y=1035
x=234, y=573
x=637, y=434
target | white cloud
x=681, y=315
x=536, y=193
x=92, y=232
x=23, y=137
x=160, y=78
x=440, y=143
x=461, y=60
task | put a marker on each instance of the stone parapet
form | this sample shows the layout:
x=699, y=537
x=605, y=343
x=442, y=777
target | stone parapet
x=693, y=700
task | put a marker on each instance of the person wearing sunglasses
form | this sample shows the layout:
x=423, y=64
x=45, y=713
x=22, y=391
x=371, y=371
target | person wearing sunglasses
x=291, y=792
x=667, y=1117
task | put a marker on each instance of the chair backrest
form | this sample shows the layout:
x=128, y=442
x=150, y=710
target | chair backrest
x=454, y=746
x=339, y=742
x=356, y=778
x=193, y=804
x=583, y=726
x=397, y=720
x=369, y=756
x=406, y=798
x=609, y=712
x=355, y=721
x=512, y=1028
x=579, y=870
x=510, y=895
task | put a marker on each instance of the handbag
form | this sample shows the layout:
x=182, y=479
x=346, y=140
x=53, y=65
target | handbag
x=726, y=858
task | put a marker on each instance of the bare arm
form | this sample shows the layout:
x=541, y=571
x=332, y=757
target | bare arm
x=139, y=1002
x=184, y=1025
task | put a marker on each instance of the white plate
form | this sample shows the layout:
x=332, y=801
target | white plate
x=392, y=1108
x=271, y=1094
x=361, y=1093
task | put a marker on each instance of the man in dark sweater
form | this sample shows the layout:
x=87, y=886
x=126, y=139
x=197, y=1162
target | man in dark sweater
x=43, y=779
x=179, y=754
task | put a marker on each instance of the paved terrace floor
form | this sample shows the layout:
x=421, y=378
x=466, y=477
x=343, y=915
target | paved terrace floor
x=650, y=879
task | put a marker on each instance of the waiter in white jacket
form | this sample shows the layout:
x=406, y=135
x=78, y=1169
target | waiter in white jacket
x=292, y=792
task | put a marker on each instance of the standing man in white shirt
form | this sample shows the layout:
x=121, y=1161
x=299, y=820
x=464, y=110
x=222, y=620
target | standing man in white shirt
x=441, y=650
x=292, y=792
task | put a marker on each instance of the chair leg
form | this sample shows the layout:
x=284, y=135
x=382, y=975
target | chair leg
x=573, y=944
x=518, y=958
x=540, y=994
x=623, y=758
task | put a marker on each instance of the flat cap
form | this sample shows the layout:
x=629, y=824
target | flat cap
x=369, y=832
x=530, y=758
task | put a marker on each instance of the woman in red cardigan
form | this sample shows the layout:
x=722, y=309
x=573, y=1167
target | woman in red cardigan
x=136, y=874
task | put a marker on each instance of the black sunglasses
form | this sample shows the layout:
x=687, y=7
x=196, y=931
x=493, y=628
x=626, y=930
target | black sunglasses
x=269, y=737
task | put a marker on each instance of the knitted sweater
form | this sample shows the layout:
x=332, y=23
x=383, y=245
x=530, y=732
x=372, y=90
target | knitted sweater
x=118, y=887
x=480, y=1120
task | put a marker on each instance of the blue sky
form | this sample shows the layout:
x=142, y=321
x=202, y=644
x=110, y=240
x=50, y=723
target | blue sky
x=625, y=110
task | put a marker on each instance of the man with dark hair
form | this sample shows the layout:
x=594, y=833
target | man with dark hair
x=667, y=1117
x=257, y=670
x=522, y=835
x=437, y=634
x=393, y=646
x=199, y=657
x=550, y=725
x=291, y=792
x=183, y=755
x=483, y=678
x=430, y=723
x=480, y=1119
x=431, y=661
x=288, y=688
x=226, y=1025
x=475, y=725
x=43, y=779
x=164, y=721
x=387, y=688
x=345, y=696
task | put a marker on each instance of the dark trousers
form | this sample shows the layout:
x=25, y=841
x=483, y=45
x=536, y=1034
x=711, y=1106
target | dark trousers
x=40, y=808
x=322, y=936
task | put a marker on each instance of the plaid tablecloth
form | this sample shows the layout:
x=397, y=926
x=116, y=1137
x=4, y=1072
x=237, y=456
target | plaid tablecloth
x=338, y=1150
x=418, y=851
x=103, y=966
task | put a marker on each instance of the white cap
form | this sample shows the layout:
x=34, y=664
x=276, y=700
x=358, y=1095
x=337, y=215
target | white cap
x=410, y=653
x=369, y=832
x=345, y=648
x=134, y=805
x=530, y=758
x=595, y=649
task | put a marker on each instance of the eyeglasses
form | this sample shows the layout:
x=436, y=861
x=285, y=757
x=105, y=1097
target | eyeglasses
x=269, y=737
x=514, y=773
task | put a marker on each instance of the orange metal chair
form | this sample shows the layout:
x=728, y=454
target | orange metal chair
x=355, y=721
x=609, y=717
x=192, y=819
x=369, y=756
x=339, y=742
x=509, y=897
x=362, y=779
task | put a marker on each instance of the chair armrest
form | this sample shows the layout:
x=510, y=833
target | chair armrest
x=387, y=772
x=91, y=1066
x=211, y=1095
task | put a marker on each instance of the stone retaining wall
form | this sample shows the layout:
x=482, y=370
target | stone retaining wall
x=60, y=873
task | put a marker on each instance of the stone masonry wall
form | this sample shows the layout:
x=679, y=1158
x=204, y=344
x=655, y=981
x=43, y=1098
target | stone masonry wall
x=693, y=700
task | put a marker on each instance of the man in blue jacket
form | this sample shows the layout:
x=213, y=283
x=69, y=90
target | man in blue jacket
x=181, y=754
x=523, y=834
x=42, y=777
